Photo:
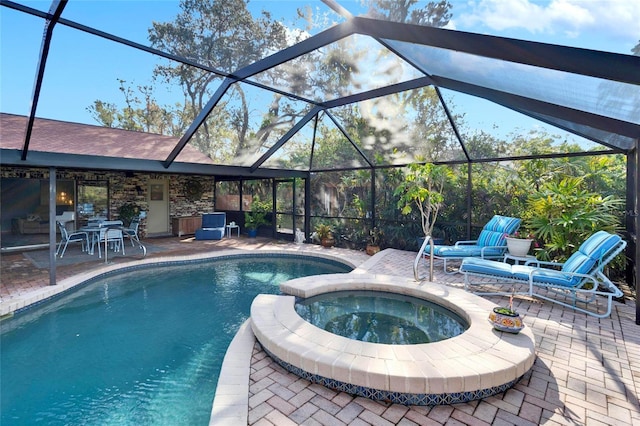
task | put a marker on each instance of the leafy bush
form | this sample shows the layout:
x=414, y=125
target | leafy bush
x=128, y=212
x=563, y=214
x=258, y=214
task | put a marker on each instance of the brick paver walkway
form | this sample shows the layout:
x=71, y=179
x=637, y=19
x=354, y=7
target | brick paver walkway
x=587, y=370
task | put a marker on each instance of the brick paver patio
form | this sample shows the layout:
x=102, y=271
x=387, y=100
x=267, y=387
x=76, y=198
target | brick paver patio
x=587, y=370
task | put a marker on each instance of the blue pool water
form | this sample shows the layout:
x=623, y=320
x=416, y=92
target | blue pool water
x=379, y=317
x=143, y=347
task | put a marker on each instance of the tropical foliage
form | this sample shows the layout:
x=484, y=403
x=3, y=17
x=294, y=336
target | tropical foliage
x=563, y=214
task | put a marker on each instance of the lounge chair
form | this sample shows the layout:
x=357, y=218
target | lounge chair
x=580, y=278
x=491, y=244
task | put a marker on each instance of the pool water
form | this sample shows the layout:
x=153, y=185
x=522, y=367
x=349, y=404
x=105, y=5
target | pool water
x=380, y=317
x=143, y=347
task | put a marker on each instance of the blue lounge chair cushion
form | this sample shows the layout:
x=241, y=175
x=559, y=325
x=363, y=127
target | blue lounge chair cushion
x=214, y=220
x=491, y=237
x=589, y=255
x=209, y=233
x=477, y=266
x=503, y=224
x=465, y=251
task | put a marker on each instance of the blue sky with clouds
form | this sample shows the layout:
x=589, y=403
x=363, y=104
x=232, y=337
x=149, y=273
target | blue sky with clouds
x=81, y=69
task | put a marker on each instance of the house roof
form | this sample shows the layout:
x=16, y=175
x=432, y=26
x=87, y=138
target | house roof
x=82, y=139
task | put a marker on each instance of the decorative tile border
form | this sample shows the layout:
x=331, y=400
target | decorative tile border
x=47, y=294
x=402, y=398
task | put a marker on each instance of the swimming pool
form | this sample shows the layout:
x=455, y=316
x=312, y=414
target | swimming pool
x=141, y=347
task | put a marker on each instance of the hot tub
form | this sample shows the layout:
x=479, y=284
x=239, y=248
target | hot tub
x=475, y=364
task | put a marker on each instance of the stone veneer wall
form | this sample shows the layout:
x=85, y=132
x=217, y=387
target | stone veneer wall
x=123, y=189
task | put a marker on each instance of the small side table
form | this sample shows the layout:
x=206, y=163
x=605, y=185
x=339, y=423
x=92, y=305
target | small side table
x=519, y=260
x=230, y=228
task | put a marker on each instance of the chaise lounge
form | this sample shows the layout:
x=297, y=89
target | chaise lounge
x=580, y=279
x=491, y=244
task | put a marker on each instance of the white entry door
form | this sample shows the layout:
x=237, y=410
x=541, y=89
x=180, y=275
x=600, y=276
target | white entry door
x=158, y=215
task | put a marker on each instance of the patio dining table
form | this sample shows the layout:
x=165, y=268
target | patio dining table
x=94, y=231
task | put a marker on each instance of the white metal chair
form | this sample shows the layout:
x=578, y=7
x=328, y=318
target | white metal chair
x=132, y=231
x=67, y=237
x=110, y=235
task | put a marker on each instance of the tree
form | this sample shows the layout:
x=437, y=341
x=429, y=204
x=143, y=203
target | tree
x=140, y=113
x=221, y=34
x=433, y=14
x=422, y=189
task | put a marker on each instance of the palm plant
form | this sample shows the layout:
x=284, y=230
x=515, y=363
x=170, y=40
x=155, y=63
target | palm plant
x=563, y=214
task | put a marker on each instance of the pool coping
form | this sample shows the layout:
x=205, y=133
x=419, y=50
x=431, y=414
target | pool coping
x=476, y=364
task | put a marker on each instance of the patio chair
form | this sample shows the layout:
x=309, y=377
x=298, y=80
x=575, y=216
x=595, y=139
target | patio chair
x=111, y=235
x=66, y=237
x=581, y=278
x=132, y=230
x=213, y=226
x=491, y=244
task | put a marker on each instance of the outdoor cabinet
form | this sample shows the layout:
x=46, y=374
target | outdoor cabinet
x=185, y=225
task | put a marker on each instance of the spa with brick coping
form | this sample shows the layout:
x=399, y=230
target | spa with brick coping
x=476, y=364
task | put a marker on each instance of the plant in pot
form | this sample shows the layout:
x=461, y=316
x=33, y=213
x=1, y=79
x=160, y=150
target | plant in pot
x=256, y=217
x=375, y=239
x=506, y=318
x=128, y=212
x=422, y=189
x=324, y=232
x=519, y=244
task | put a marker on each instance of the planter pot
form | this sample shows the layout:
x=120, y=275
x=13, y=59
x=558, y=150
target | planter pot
x=518, y=246
x=327, y=242
x=371, y=250
x=252, y=233
x=508, y=322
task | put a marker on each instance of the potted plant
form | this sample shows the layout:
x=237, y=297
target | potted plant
x=256, y=217
x=519, y=244
x=325, y=235
x=506, y=319
x=375, y=238
x=128, y=212
x=422, y=189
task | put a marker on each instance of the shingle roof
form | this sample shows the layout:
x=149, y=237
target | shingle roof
x=73, y=138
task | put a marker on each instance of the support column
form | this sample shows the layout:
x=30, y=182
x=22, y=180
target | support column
x=52, y=225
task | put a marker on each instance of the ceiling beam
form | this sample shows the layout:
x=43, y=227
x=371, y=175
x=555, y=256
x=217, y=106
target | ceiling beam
x=11, y=157
x=523, y=104
x=594, y=63
x=52, y=18
x=297, y=127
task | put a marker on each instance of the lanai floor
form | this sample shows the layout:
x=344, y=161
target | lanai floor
x=587, y=370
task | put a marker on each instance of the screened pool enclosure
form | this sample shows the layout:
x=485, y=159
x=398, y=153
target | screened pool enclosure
x=314, y=113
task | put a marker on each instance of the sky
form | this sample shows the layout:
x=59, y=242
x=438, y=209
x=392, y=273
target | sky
x=81, y=69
